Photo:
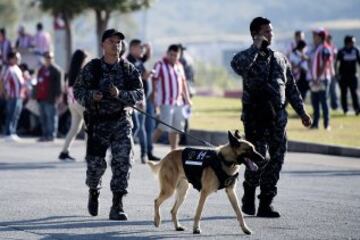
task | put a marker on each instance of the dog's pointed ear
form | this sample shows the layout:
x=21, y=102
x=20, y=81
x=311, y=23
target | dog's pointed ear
x=237, y=134
x=233, y=140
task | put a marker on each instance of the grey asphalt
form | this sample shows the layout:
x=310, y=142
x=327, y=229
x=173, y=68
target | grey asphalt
x=43, y=198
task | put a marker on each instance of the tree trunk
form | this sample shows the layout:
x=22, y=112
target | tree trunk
x=68, y=40
x=102, y=19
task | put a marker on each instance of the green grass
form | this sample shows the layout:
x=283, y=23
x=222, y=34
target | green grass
x=222, y=114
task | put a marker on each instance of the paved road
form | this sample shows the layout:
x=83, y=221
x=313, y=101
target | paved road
x=42, y=198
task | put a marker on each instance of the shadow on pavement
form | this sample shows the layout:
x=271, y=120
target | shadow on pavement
x=39, y=165
x=49, y=228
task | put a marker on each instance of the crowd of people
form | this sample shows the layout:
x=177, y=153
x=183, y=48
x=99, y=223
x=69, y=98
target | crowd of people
x=34, y=82
x=37, y=92
x=319, y=68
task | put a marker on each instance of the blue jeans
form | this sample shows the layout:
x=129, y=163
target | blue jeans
x=149, y=124
x=333, y=95
x=318, y=99
x=48, y=119
x=139, y=130
x=13, y=111
x=2, y=113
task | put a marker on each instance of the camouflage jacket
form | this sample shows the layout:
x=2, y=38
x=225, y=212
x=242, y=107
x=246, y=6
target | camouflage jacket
x=254, y=67
x=122, y=74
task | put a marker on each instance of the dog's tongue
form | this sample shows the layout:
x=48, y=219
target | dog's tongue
x=251, y=165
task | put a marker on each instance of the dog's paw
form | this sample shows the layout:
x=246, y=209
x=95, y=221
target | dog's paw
x=246, y=230
x=156, y=222
x=180, y=228
x=197, y=230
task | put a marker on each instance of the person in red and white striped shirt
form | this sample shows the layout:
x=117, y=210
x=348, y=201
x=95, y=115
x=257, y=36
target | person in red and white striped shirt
x=321, y=75
x=15, y=90
x=170, y=94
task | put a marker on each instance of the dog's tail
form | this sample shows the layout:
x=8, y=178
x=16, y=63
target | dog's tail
x=155, y=166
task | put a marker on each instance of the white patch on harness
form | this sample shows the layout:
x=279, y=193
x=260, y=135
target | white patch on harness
x=189, y=162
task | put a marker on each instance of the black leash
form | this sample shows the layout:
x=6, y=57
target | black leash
x=177, y=130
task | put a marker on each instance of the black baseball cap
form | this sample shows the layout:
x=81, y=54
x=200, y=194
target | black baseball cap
x=112, y=32
x=182, y=47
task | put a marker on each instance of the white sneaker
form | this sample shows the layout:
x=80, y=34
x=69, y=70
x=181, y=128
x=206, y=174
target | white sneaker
x=13, y=138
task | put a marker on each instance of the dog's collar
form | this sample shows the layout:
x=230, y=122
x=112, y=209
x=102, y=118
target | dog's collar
x=222, y=159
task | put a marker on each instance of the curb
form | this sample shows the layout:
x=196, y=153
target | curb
x=335, y=150
x=218, y=138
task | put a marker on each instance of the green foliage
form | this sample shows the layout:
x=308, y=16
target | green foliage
x=103, y=9
x=123, y=6
x=68, y=7
x=72, y=8
x=8, y=13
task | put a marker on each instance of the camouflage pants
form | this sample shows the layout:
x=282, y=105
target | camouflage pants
x=118, y=136
x=271, y=140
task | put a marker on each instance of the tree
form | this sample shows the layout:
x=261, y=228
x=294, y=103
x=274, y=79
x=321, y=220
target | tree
x=67, y=10
x=104, y=8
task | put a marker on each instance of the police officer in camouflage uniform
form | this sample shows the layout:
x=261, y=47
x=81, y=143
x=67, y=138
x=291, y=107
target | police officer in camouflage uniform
x=267, y=84
x=106, y=87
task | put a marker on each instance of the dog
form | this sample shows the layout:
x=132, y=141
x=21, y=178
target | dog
x=214, y=168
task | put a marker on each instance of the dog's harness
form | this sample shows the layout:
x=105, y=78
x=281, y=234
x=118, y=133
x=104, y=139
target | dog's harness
x=196, y=160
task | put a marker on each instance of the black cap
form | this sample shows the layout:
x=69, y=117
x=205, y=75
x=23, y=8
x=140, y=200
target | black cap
x=112, y=32
x=349, y=39
x=182, y=47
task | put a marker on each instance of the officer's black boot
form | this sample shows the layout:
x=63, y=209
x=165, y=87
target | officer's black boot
x=265, y=209
x=117, y=210
x=93, y=203
x=248, y=200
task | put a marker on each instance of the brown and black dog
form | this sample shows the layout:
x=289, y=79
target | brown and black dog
x=173, y=175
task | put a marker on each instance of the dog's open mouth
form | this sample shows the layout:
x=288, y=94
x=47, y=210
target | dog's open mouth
x=250, y=164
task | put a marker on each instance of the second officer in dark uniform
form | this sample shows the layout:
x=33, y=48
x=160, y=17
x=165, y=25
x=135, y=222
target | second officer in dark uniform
x=106, y=87
x=267, y=84
x=347, y=59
